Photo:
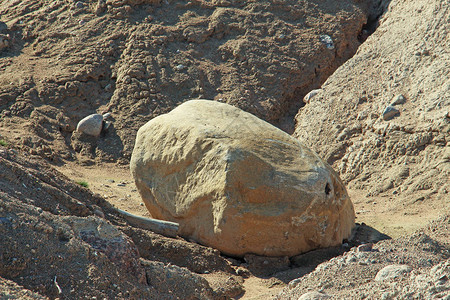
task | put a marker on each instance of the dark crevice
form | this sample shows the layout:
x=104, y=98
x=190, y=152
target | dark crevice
x=295, y=100
x=377, y=10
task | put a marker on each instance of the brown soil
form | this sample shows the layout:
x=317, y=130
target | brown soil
x=137, y=59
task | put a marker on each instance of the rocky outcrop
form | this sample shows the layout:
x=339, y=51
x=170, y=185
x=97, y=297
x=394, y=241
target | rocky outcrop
x=237, y=183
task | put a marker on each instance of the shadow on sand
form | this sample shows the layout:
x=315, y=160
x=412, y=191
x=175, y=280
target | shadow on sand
x=298, y=266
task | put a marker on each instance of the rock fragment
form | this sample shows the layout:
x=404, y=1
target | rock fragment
x=314, y=296
x=365, y=247
x=392, y=272
x=91, y=125
x=390, y=112
x=310, y=95
x=327, y=41
x=397, y=100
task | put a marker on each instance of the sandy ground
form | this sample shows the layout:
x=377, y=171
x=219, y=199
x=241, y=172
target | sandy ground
x=115, y=183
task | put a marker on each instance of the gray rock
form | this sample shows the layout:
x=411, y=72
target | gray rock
x=314, y=296
x=327, y=41
x=392, y=272
x=180, y=67
x=293, y=283
x=108, y=87
x=390, y=112
x=399, y=99
x=91, y=125
x=310, y=95
x=365, y=247
x=79, y=4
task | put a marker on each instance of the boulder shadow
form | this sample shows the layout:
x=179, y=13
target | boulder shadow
x=108, y=147
x=288, y=269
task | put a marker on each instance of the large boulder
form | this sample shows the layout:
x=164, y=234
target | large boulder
x=238, y=184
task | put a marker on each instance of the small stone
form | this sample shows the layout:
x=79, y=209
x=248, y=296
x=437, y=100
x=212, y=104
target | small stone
x=121, y=184
x=180, y=67
x=327, y=41
x=108, y=87
x=243, y=272
x=314, y=296
x=91, y=125
x=399, y=99
x=390, y=112
x=365, y=247
x=79, y=4
x=293, y=283
x=392, y=272
x=99, y=213
x=310, y=95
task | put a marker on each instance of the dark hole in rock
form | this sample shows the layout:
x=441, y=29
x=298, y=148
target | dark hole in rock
x=327, y=189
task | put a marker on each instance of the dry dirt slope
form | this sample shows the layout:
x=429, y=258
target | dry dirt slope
x=400, y=167
x=60, y=240
x=138, y=59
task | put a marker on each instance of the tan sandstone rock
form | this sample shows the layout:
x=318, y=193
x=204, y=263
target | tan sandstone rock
x=237, y=183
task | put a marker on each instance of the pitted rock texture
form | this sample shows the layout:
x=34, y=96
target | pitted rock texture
x=238, y=184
